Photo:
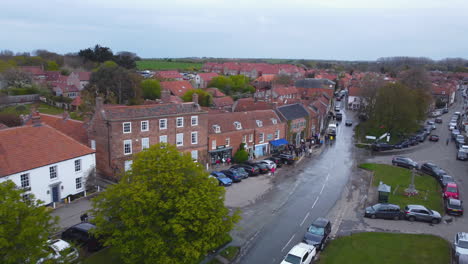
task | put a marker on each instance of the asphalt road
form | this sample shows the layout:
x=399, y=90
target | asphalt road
x=273, y=225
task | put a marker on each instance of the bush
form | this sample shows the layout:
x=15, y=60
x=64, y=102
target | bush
x=20, y=108
x=241, y=156
x=10, y=120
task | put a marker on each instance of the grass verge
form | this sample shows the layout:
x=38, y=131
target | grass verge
x=399, y=179
x=387, y=248
x=230, y=253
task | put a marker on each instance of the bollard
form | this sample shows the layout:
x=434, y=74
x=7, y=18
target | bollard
x=69, y=199
x=54, y=205
x=85, y=193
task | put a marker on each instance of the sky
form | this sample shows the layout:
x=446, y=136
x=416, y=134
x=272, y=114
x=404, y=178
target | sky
x=297, y=29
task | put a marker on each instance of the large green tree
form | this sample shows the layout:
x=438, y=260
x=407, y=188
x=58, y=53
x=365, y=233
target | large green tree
x=164, y=210
x=232, y=84
x=25, y=226
x=204, y=98
x=151, y=89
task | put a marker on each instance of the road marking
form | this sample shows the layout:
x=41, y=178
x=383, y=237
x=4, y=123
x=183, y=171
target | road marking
x=326, y=179
x=323, y=187
x=288, y=243
x=316, y=200
x=307, y=215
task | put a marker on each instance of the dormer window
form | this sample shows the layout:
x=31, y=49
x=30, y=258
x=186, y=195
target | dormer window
x=259, y=123
x=274, y=121
x=238, y=125
x=217, y=128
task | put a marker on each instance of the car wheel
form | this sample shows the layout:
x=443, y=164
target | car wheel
x=411, y=218
x=396, y=217
x=372, y=216
x=435, y=221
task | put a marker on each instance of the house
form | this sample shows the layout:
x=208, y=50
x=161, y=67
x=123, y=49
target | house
x=168, y=75
x=355, y=99
x=37, y=72
x=202, y=79
x=76, y=103
x=118, y=132
x=256, y=129
x=73, y=128
x=177, y=88
x=215, y=92
x=444, y=92
x=251, y=104
x=225, y=103
x=79, y=79
x=309, y=88
x=45, y=162
x=298, y=119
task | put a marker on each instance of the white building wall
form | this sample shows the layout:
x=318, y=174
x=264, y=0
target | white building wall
x=41, y=184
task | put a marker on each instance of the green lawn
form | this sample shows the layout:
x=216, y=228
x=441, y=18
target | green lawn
x=42, y=108
x=107, y=255
x=167, y=65
x=387, y=248
x=399, y=178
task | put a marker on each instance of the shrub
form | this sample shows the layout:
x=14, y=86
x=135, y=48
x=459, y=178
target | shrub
x=10, y=120
x=241, y=156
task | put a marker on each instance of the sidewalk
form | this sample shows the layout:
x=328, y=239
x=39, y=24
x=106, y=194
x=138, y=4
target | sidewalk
x=70, y=213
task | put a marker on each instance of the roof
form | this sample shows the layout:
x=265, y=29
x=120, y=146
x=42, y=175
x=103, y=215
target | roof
x=215, y=92
x=223, y=101
x=314, y=83
x=285, y=90
x=84, y=76
x=52, y=76
x=207, y=76
x=35, y=70
x=116, y=112
x=28, y=147
x=72, y=128
x=249, y=104
x=77, y=101
x=248, y=120
x=265, y=78
x=3, y=126
x=168, y=75
x=321, y=222
x=354, y=91
x=178, y=88
x=293, y=111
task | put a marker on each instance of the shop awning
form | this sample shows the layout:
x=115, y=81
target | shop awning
x=279, y=142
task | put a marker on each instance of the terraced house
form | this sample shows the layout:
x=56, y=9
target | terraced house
x=118, y=132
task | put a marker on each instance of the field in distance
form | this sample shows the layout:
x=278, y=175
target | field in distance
x=161, y=65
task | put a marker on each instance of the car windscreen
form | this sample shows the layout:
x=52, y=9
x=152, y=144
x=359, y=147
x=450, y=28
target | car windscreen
x=293, y=259
x=452, y=189
x=462, y=244
x=316, y=230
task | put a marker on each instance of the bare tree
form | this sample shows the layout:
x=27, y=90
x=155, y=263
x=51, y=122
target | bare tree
x=370, y=85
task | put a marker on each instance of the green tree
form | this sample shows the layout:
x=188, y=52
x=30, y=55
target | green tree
x=151, y=89
x=204, y=98
x=232, y=84
x=164, y=210
x=241, y=155
x=52, y=66
x=25, y=226
x=223, y=83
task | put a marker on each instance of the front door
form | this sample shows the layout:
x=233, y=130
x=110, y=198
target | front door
x=55, y=193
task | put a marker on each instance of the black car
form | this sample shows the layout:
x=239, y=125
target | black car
x=454, y=207
x=317, y=233
x=404, y=162
x=285, y=158
x=339, y=116
x=402, y=144
x=251, y=170
x=446, y=179
x=438, y=120
x=430, y=168
x=233, y=175
x=261, y=167
x=276, y=160
x=81, y=234
x=382, y=146
x=413, y=140
x=385, y=211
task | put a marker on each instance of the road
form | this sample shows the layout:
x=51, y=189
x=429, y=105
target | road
x=273, y=225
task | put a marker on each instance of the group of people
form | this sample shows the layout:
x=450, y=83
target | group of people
x=223, y=161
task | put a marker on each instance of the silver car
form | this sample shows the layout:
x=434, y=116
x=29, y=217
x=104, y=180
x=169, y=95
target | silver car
x=460, y=244
x=421, y=213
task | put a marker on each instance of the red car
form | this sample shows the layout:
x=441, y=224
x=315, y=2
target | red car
x=451, y=191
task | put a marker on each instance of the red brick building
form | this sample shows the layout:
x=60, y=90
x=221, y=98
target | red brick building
x=117, y=132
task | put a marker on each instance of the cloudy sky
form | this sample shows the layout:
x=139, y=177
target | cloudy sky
x=310, y=29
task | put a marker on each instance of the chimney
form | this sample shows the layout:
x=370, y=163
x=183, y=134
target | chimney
x=36, y=119
x=166, y=96
x=65, y=115
x=99, y=103
x=195, y=98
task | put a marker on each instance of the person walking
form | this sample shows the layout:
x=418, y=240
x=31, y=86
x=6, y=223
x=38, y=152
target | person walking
x=273, y=169
x=217, y=163
x=310, y=152
x=84, y=218
x=447, y=141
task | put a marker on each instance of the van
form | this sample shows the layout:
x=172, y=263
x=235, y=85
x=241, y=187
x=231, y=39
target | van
x=331, y=129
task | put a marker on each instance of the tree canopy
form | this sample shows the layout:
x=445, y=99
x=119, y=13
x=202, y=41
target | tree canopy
x=25, y=226
x=164, y=210
x=151, y=89
x=230, y=85
x=204, y=98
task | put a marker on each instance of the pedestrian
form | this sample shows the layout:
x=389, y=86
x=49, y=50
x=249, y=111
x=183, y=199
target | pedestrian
x=273, y=169
x=446, y=142
x=217, y=163
x=84, y=217
x=223, y=160
x=310, y=152
x=228, y=160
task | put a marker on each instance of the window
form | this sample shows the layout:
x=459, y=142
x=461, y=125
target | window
x=144, y=126
x=127, y=147
x=194, y=136
x=259, y=123
x=180, y=122
x=213, y=144
x=163, y=139
x=228, y=141
x=77, y=165
x=244, y=139
x=250, y=137
x=277, y=134
x=180, y=139
x=145, y=143
x=127, y=127
x=238, y=125
x=217, y=128
x=194, y=154
x=93, y=144
x=53, y=172
x=79, y=183
x=162, y=123
x=261, y=137
x=274, y=121
x=128, y=165
x=24, y=180
x=194, y=120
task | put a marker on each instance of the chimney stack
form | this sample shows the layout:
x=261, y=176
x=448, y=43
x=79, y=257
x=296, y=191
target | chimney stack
x=165, y=96
x=99, y=103
x=36, y=119
x=195, y=98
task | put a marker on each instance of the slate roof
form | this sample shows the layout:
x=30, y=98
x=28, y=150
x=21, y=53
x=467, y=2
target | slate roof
x=293, y=111
x=28, y=147
x=117, y=112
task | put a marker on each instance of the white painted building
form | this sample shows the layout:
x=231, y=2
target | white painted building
x=45, y=162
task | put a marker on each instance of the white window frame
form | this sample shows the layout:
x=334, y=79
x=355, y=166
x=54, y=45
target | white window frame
x=128, y=165
x=129, y=127
x=228, y=141
x=24, y=179
x=163, y=139
x=238, y=125
x=192, y=119
x=163, y=121
x=194, y=155
x=261, y=138
x=53, y=173
x=277, y=134
x=78, y=165
x=250, y=137
x=181, y=119
x=213, y=144
x=145, y=143
x=217, y=128
x=93, y=144
x=274, y=121
x=79, y=183
x=244, y=139
x=192, y=137
x=147, y=126
x=179, y=139
x=259, y=123
x=129, y=142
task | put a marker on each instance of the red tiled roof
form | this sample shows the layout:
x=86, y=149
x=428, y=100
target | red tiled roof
x=223, y=101
x=247, y=120
x=3, y=126
x=208, y=76
x=354, y=91
x=215, y=92
x=52, y=76
x=34, y=70
x=77, y=101
x=84, y=76
x=114, y=112
x=168, y=75
x=285, y=90
x=28, y=147
x=249, y=104
x=265, y=78
x=178, y=88
x=72, y=128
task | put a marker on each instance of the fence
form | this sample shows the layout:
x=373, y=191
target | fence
x=18, y=99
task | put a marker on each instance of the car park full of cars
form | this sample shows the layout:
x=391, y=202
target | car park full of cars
x=233, y=175
x=384, y=211
x=300, y=254
x=421, y=213
x=222, y=179
x=251, y=170
x=454, y=206
x=317, y=233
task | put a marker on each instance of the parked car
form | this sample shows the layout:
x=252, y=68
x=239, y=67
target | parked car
x=382, y=146
x=430, y=168
x=404, y=162
x=421, y=137
x=445, y=179
x=452, y=126
x=451, y=191
x=413, y=141
x=454, y=206
x=462, y=153
x=244, y=174
x=432, y=124
x=385, y=211
x=401, y=144
x=421, y=213
x=317, y=233
x=80, y=234
x=349, y=122
x=252, y=170
x=438, y=120
x=270, y=164
x=222, y=179
x=300, y=254
x=434, y=138
x=276, y=160
x=233, y=175
x=455, y=133
x=460, y=244
x=59, y=251
x=262, y=168
x=285, y=158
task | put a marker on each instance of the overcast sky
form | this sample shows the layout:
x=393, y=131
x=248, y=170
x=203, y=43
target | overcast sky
x=309, y=29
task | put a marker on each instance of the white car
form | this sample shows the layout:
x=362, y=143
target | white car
x=300, y=254
x=270, y=164
x=59, y=251
x=460, y=244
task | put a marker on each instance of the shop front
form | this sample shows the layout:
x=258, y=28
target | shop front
x=219, y=153
x=261, y=150
x=278, y=145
